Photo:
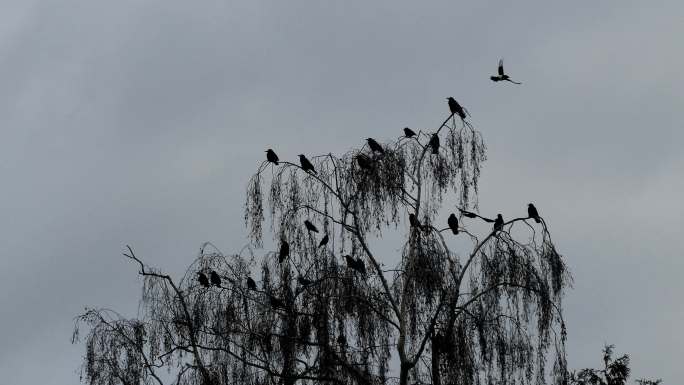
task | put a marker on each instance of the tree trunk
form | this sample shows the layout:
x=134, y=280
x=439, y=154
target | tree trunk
x=404, y=374
x=434, y=344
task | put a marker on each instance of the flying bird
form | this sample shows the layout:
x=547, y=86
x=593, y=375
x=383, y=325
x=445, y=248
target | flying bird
x=272, y=157
x=310, y=226
x=203, y=280
x=498, y=223
x=434, y=143
x=533, y=213
x=303, y=281
x=413, y=221
x=502, y=76
x=409, y=133
x=363, y=161
x=306, y=165
x=375, y=146
x=251, y=285
x=324, y=241
x=215, y=279
x=284, y=251
x=456, y=108
x=453, y=223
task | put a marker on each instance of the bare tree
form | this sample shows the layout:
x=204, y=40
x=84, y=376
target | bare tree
x=480, y=307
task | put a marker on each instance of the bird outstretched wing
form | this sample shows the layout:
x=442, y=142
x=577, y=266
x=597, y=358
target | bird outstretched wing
x=501, y=70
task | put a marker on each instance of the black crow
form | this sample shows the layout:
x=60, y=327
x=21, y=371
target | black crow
x=251, y=285
x=324, y=241
x=375, y=146
x=434, y=143
x=363, y=161
x=215, y=279
x=502, y=76
x=284, y=251
x=203, y=280
x=533, y=213
x=271, y=156
x=409, y=133
x=310, y=226
x=350, y=261
x=413, y=221
x=498, y=223
x=453, y=223
x=456, y=108
x=306, y=165
x=360, y=266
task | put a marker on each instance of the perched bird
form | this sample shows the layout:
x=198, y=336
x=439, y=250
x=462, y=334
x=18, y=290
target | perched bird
x=409, y=133
x=434, y=143
x=251, y=285
x=276, y=302
x=350, y=261
x=360, y=266
x=375, y=146
x=303, y=281
x=533, y=213
x=363, y=161
x=456, y=108
x=306, y=165
x=272, y=157
x=502, y=76
x=310, y=226
x=453, y=223
x=324, y=241
x=284, y=251
x=498, y=223
x=468, y=214
x=215, y=278
x=413, y=221
x=203, y=280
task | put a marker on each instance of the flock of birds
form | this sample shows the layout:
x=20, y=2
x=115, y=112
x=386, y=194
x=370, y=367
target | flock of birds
x=364, y=162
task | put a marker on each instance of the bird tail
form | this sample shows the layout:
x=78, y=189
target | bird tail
x=537, y=220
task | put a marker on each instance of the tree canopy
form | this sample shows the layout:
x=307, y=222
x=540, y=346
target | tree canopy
x=386, y=290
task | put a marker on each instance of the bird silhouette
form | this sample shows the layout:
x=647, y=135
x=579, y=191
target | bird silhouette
x=272, y=157
x=276, y=302
x=413, y=221
x=310, y=226
x=360, y=266
x=324, y=241
x=375, y=146
x=284, y=251
x=498, y=223
x=453, y=223
x=434, y=143
x=215, y=279
x=409, y=133
x=251, y=285
x=306, y=165
x=363, y=161
x=303, y=281
x=203, y=280
x=456, y=108
x=350, y=261
x=502, y=76
x=533, y=213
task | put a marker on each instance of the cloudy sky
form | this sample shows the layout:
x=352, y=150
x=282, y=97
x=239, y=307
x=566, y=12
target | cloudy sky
x=139, y=122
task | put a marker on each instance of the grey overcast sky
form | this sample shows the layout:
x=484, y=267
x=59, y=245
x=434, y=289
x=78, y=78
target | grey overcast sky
x=140, y=121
